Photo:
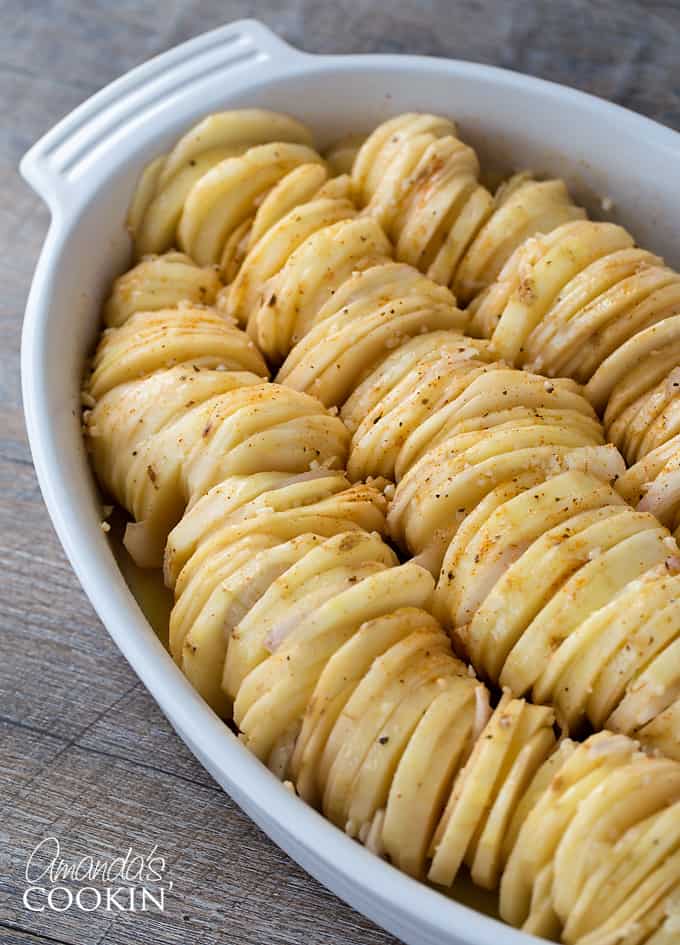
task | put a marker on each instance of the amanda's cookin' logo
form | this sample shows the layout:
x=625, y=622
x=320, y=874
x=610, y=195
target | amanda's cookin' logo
x=133, y=882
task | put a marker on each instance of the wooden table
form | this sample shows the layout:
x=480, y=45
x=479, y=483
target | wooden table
x=85, y=755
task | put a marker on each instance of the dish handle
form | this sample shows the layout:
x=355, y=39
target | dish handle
x=71, y=158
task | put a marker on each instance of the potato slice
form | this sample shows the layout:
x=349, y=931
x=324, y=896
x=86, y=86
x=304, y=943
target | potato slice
x=339, y=679
x=248, y=502
x=602, y=291
x=231, y=128
x=632, y=858
x=386, y=142
x=403, y=367
x=357, y=507
x=237, y=498
x=367, y=696
x=650, y=693
x=334, y=356
x=640, y=381
x=139, y=435
x=430, y=199
x=263, y=427
x=341, y=155
x=574, y=246
x=574, y=670
x=358, y=780
x=160, y=282
x=613, y=375
x=592, y=587
x=529, y=583
x=487, y=306
x=292, y=191
x=275, y=694
x=649, y=638
x=631, y=794
x=387, y=407
x=226, y=194
x=534, y=791
x=642, y=914
x=521, y=208
x=293, y=299
x=145, y=191
x=159, y=198
x=450, y=479
x=207, y=632
x=661, y=733
x=584, y=768
x=156, y=232
x=287, y=596
x=635, y=482
x=513, y=527
x=150, y=341
x=424, y=775
x=466, y=817
x=446, y=600
x=542, y=919
x=658, y=298
x=197, y=590
x=496, y=394
x=650, y=420
x=659, y=418
x=268, y=254
x=433, y=428
x=368, y=289
x=662, y=495
x=486, y=862
x=471, y=206
x=138, y=410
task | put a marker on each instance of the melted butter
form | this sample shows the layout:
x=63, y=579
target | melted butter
x=146, y=584
x=465, y=892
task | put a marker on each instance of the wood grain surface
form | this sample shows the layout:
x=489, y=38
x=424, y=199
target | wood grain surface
x=85, y=755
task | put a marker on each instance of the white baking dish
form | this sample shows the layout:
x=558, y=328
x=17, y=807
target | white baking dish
x=86, y=168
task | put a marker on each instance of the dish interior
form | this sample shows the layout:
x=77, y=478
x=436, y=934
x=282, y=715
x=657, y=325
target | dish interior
x=507, y=135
